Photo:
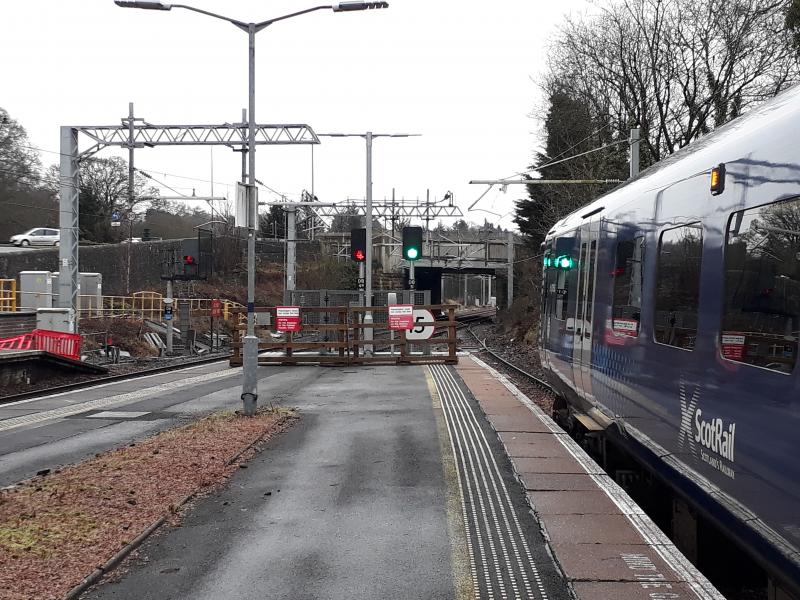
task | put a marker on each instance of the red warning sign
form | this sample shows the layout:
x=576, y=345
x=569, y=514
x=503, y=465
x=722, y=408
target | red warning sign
x=216, y=309
x=401, y=316
x=733, y=345
x=287, y=318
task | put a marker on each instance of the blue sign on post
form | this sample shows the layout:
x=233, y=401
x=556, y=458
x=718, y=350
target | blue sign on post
x=116, y=217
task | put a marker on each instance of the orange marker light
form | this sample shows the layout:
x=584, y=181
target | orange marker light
x=718, y=179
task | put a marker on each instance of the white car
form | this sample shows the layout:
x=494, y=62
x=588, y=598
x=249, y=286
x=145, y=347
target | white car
x=40, y=236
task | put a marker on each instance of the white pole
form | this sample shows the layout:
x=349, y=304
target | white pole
x=250, y=358
x=634, y=141
x=368, y=258
x=291, y=248
x=510, y=291
x=171, y=304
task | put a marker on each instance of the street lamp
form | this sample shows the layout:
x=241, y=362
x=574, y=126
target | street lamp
x=250, y=361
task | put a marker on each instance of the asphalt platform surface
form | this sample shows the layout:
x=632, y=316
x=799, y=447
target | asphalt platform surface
x=349, y=503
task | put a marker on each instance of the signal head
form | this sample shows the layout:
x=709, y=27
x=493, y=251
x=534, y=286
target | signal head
x=412, y=243
x=358, y=244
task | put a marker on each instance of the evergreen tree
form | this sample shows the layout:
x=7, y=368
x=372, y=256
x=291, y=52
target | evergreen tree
x=570, y=129
x=19, y=162
x=793, y=23
x=273, y=224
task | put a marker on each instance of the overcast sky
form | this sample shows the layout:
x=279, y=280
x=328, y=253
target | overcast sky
x=460, y=72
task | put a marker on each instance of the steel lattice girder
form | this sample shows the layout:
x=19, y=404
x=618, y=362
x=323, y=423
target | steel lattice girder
x=419, y=211
x=139, y=136
x=228, y=134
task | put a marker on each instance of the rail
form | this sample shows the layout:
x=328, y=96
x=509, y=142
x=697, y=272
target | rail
x=536, y=380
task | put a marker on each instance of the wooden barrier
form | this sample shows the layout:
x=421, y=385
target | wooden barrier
x=347, y=345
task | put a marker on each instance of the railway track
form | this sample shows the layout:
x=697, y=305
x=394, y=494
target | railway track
x=482, y=347
x=110, y=379
x=475, y=316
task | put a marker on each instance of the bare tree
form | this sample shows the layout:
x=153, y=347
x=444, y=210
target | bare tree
x=675, y=68
x=104, y=190
x=19, y=162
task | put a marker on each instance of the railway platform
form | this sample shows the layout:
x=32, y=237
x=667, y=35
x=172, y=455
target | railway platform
x=409, y=481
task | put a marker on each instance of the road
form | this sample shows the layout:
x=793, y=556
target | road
x=12, y=249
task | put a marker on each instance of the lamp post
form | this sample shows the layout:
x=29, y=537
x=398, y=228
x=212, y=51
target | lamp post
x=250, y=360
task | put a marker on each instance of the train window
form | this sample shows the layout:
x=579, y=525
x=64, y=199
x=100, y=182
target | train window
x=678, y=286
x=761, y=319
x=628, y=280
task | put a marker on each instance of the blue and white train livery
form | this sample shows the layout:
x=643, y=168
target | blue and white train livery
x=671, y=317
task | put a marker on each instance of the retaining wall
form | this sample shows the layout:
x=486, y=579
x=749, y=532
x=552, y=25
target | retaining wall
x=111, y=261
x=17, y=323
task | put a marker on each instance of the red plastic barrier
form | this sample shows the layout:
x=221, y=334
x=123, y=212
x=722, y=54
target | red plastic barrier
x=63, y=344
x=55, y=342
x=18, y=342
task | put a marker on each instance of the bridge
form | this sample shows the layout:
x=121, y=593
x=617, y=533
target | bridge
x=441, y=255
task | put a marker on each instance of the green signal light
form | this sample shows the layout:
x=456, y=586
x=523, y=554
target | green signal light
x=412, y=253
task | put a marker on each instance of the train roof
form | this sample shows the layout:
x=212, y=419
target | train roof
x=770, y=120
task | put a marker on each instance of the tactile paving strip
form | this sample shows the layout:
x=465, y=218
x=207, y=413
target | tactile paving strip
x=500, y=557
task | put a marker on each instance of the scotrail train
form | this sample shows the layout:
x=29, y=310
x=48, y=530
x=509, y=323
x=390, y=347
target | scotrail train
x=670, y=318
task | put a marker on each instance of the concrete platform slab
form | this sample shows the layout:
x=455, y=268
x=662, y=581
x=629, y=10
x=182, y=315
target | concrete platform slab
x=557, y=481
x=613, y=562
x=544, y=465
x=585, y=502
x=591, y=529
x=621, y=590
x=517, y=419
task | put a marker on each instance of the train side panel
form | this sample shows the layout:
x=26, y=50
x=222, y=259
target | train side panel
x=668, y=361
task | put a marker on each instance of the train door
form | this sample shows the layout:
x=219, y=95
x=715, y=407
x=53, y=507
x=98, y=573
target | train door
x=584, y=309
x=547, y=308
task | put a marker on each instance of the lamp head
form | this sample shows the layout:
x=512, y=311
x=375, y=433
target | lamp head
x=146, y=4
x=349, y=5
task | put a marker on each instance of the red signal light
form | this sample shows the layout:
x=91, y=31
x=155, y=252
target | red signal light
x=189, y=260
x=359, y=255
